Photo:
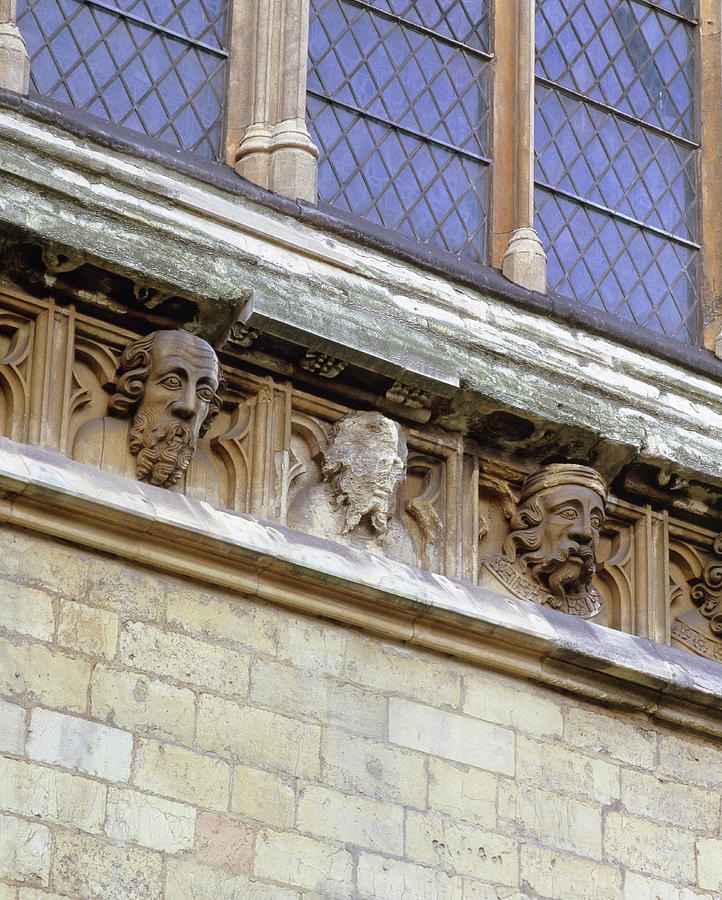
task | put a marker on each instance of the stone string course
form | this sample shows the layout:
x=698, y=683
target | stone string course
x=163, y=741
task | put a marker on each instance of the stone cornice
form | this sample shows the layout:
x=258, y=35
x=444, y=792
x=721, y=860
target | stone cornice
x=482, y=348
x=44, y=492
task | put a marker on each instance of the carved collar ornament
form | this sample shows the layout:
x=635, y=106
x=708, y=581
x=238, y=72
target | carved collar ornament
x=550, y=555
x=707, y=589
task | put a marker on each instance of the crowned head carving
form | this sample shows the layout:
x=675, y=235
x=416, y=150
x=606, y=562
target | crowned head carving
x=550, y=555
x=365, y=464
x=169, y=382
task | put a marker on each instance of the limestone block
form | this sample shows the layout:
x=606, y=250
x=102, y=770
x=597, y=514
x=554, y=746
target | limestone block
x=26, y=893
x=142, y=704
x=12, y=727
x=464, y=793
x=26, y=610
x=184, y=659
x=222, y=842
x=709, y=861
x=182, y=774
x=679, y=804
x=294, y=859
x=153, y=822
x=92, y=868
x=353, y=820
x=80, y=745
x=258, y=737
x=690, y=760
x=462, y=848
x=552, y=818
x=640, y=887
x=87, y=629
x=260, y=795
x=553, y=874
x=380, y=878
x=372, y=769
x=50, y=795
x=553, y=766
x=223, y=617
x=126, y=589
x=606, y=736
x=310, y=696
x=32, y=670
x=647, y=847
x=53, y=566
x=361, y=659
x=527, y=710
x=188, y=880
x=451, y=736
x=24, y=850
x=477, y=890
x=7, y=892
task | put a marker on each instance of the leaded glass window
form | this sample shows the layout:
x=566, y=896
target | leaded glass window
x=398, y=106
x=155, y=66
x=616, y=142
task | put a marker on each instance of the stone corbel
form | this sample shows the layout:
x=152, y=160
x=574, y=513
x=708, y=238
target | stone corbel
x=14, y=59
x=268, y=98
x=525, y=262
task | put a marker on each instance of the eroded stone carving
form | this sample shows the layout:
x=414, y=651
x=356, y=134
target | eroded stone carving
x=322, y=364
x=167, y=394
x=362, y=468
x=700, y=630
x=550, y=555
x=404, y=395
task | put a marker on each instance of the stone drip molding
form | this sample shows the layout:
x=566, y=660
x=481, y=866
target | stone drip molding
x=44, y=492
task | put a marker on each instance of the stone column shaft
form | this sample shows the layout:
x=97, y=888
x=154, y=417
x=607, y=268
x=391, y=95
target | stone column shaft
x=14, y=60
x=524, y=262
x=275, y=149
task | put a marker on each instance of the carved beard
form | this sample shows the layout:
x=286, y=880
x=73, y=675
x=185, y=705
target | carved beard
x=558, y=573
x=352, y=493
x=164, y=448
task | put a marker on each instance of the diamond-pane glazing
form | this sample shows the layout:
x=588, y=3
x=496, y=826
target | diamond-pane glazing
x=610, y=265
x=398, y=74
x=466, y=22
x=614, y=163
x=622, y=53
x=400, y=116
x=156, y=81
x=416, y=188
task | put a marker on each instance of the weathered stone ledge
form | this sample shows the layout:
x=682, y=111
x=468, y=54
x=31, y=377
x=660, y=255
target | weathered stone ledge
x=481, y=347
x=43, y=491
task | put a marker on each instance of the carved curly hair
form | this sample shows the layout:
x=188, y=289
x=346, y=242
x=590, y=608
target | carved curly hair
x=133, y=371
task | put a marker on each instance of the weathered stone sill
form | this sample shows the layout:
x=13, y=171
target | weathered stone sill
x=44, y=492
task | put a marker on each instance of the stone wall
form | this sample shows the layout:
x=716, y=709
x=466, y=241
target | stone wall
x=163, y=739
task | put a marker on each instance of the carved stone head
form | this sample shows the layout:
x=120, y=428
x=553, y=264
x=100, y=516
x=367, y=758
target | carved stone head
x=170, y=382
x=555, y=529
x=365, y=463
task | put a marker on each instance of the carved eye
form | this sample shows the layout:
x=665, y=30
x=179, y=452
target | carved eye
x=205, y=393
x=568, y=513
x=597, y=522
x=172, y=382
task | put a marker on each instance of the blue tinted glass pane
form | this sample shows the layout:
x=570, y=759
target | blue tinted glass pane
x=612, y=162
x=130, y=73
x=625, y=270
x=625, y=54
x=466, y=21
x=399, y=75
x=418, y=189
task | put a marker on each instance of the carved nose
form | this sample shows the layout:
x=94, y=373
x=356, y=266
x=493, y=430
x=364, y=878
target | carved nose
x=582, y=533
x=184, y=407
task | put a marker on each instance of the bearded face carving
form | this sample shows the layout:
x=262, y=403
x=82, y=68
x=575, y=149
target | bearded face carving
x=550, y=555
x=170, y=382
x=366, y=463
